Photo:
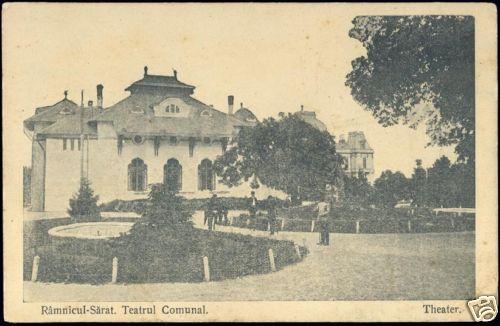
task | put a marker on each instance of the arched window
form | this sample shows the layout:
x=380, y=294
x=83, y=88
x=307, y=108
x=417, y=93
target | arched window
x=172, y=175
x=137, y=175
x=206, y=175
x=172, y=108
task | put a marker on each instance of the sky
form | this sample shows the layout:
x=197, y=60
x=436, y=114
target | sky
x=272, y=58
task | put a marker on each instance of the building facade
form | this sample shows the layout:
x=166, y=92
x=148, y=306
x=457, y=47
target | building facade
x=159, y=133
x=357, y=154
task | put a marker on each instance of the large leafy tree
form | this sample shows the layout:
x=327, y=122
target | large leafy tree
x=357, y=191
x=287, y=154
x=418, y=69
x=440, y=183
x=391, y=187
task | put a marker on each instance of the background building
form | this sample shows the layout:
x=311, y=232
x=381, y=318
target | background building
x=355, y=150
x=357, y=153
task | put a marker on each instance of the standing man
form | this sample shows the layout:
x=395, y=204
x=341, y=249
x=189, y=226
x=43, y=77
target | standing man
x=225, y=212
x=252, y=210
x=323, y=209
x=271, y=214
x=213, y=208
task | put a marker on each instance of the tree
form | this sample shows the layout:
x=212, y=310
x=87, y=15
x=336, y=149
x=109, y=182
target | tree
x=414, y=62
x=287, y=154
x=440, y=184
x=464, y=184
x=357, y=190
x=83, y=205
x=419, y=185
x=165, y=208
x=391, y=187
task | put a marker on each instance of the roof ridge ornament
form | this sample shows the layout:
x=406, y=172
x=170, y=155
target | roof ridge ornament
x=145, y=71
x=66, y=94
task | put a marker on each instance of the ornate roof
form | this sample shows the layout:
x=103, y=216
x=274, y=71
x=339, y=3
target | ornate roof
x=51, y=113
x=135, y=113
x=310, y=118
x=245, y=115
x=356, y=141
x=160, y=82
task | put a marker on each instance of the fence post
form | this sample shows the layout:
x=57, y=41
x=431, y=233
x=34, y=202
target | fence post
x=452, y=223
x=206, y=269
x=271, y=260
x=312, y=225
x=268, y=226
x=409, y=225
x=34, y=271
x=114, y=271
x=282, y=224
x=357, y=227
x=304, y=242
x=297, y=249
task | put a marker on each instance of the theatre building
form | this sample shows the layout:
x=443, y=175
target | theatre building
x=159, y=133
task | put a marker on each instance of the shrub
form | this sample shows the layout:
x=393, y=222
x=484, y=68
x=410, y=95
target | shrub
x=166, y=209
x=83, y=206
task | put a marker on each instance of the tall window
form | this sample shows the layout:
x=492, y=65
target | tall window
x=206, y=175
x=137, y=175
x=65, y=144
x=364, y=162
x=72, y=142
x=172, y=175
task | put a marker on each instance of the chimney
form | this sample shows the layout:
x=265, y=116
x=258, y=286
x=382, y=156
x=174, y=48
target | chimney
x=175, y=74
x=230, y=103
x=301, y=108
x=145, y=71
x=99, y=96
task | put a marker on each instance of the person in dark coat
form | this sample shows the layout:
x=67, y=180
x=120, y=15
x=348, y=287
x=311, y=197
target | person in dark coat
x=252, y=209
x=225, y=212
x=271, y=214
x=213, y=209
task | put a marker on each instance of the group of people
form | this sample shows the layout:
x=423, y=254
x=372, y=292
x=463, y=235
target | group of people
x=215, y=213
x=272, y=213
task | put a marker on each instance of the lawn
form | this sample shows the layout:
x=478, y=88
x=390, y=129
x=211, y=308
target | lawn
x=151, y=255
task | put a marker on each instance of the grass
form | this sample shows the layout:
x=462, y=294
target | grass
x=150, y=255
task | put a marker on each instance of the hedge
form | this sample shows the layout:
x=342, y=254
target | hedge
x=158, y=255
x=439, y=223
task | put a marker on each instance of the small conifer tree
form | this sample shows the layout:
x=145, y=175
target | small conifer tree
x=83, y=205
x=166, y=208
